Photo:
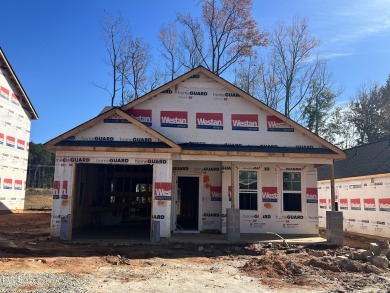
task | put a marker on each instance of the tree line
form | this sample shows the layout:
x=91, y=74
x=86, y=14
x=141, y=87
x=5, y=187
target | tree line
x=40, y=169
x=279, y=67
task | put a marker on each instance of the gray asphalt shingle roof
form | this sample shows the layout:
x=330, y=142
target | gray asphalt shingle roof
x=368, y=159
x=254, y=148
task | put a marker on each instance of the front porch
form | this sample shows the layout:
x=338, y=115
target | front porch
x=203, y=238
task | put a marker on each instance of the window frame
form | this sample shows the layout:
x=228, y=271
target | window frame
x=252, y=194
x=292, y=191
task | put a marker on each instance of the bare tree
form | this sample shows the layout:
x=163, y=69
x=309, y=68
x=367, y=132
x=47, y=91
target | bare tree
x=128, y=59
x=258, y=78
x=230, y=29
x=248, y=74
x=190, y=57
x=169, y=40
x=138, y=58
x=156, y=77
x=291, y=48
x=115, y=33
x=271, y=90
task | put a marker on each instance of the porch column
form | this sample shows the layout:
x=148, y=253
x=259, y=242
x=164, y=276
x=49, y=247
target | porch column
x=334, y=219
x=162, y=200
x=332, y=189
x=233, y=214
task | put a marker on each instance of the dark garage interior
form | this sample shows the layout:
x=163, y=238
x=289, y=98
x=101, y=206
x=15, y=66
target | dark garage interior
x=112, y=201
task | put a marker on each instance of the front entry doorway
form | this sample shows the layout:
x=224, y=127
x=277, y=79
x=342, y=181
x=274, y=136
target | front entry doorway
x=187, y=203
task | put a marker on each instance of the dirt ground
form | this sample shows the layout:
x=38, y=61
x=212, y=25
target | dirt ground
x=38, y=199
x=26, y=251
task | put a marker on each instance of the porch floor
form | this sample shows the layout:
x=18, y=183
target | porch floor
x=197, y=238
x=205, y=238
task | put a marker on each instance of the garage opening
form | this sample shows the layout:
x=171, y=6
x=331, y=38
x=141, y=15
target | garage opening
x=112, y=201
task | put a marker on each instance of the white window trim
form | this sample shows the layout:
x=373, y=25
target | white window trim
x=303, y=193
x=258, y=194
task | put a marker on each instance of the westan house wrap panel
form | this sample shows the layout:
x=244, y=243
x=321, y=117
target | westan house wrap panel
x=62, y=196
x=365, y=203
x=56, y=205
x=226, y=192
x=211, y=195
x=270, y=217
x=251, y=221
x=242, y=122
x=14, y=136
x=104, y=131
x=263, y=218
x=210, y=192
x=162, y=197
x=204, y=109
x=121, y=158
x=322, y=203
x=270, y=196
x=311, y=197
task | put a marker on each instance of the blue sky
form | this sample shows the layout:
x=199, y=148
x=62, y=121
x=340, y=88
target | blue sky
x=57, y=52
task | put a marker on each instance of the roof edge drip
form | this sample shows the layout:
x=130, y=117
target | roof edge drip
x=30, y=107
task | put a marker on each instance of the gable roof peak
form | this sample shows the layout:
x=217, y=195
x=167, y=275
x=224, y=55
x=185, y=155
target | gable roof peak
x=6, y=65
x=243, y=94
x=52, y=144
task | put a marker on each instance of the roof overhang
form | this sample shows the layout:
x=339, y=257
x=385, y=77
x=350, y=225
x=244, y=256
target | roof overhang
x=166, y=145
x=259, y=154
x=7, y=66
x=328, y=151
x=338, y=153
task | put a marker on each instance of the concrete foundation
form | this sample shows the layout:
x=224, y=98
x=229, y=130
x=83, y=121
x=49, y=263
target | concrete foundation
x=233, y=225
x=335, y=227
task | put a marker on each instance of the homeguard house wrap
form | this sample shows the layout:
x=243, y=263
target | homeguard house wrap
x=16, y=113
x=182, y=155
x=362, y=189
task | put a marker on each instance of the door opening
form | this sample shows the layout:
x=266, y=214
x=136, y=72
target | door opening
x=187, y=203
x=112, y=201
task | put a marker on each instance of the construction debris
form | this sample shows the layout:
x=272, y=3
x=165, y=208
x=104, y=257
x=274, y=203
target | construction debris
x=208, y=267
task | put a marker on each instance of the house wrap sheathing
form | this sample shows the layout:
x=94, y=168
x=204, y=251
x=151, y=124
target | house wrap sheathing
x=16, y=113
x=182, y=155
x=362, y=189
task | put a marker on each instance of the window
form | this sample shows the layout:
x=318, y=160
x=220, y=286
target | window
x=248, y=190
x=292, y=194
